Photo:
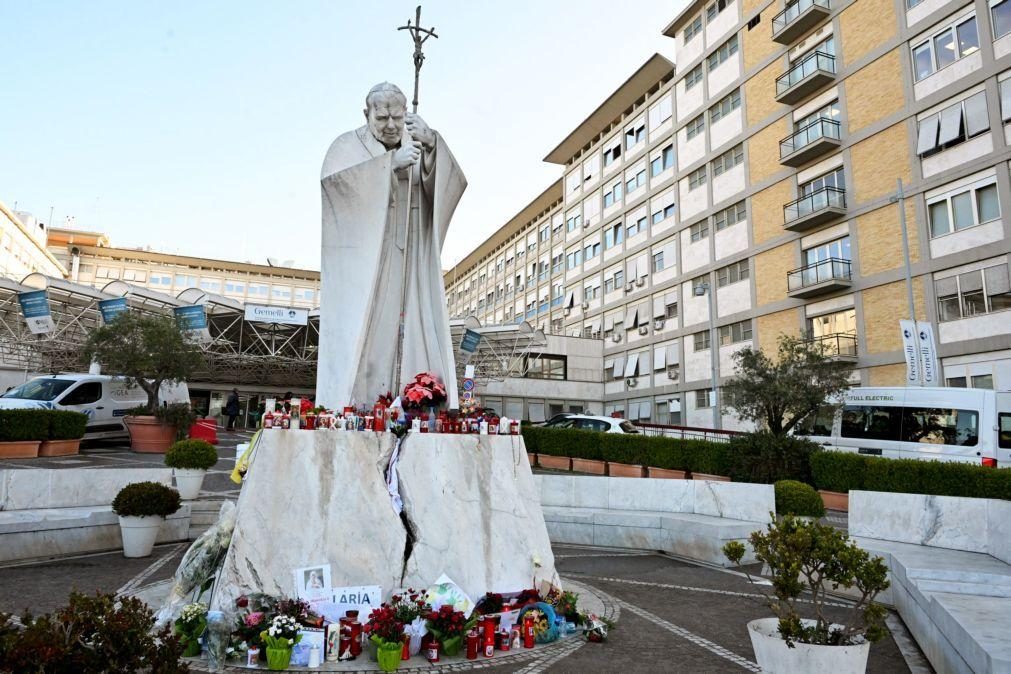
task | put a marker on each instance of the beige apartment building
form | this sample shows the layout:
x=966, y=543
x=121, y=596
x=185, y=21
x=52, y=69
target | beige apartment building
x=765, y=167
x=23, y=246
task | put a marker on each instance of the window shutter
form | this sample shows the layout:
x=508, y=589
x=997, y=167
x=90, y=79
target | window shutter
x=951, y=124
x=659, y=307
x=927, y=139
x=630, y=270
x=570, y=300
x=633, y=410
x=595, y=325
x=970, y=282
x=673, y=355
x=609, y=364
x=632, y=365
x=997, y=282
x=619, y=367
x=631, y=317
x=642, y=264
x=644, y=360
x=609, y=323
x=1005, y=99
x=976, y=118
x=946, y=287
x=660, y=358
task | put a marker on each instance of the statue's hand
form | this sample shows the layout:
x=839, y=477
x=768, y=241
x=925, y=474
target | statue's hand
x=420, y=130
x=408, y=155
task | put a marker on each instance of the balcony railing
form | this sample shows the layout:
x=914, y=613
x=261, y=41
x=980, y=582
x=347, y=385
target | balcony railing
x=797, y=19
x=810, y=73
x=810, y=141
x=819, y=277
x=815, y=208
x=837, y=345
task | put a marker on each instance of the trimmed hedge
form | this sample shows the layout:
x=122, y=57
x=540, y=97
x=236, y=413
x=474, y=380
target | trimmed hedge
x=146, y=499
x=193, y=454
x=24, y=425
x=766, y=458
x=67, y=425
x=798, y=498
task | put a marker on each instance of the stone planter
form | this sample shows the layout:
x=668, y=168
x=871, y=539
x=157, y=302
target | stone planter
x=532, y=458
x=624, y=470
x=188, y=482
x=59, y=447
x=554, y=462
x=665, y=473
x=711, y=478
x=139, y=534
x=773, y=655
x=591, y=466
x=835, y=500
x=21, y=449
x=148, y=435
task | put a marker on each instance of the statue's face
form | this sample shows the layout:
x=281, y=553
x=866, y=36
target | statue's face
x=386, y=119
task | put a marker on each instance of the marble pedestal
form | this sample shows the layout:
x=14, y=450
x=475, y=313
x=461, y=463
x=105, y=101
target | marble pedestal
x=314, y=497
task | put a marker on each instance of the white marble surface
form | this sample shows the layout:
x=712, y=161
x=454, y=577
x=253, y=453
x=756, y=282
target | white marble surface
x=998, y=529
x=936, y=521
x=735, y=500
x=42, y=488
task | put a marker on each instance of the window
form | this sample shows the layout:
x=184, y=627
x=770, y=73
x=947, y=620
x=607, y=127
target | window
x=982, y=381
x=542, y=236
x=614, y=281
x=256, y=289
x=612, y=154
x=732, y=273
x=693, y=77
x=591, y=251
x=134, y=275
x=107, y=272
x=703, y=398
x=614, y=235
x=695, y=127
x=591, y=293
x=973, y=293
x=1000, y=14
x=574, y=259
x=670, y=306
x=945, y=47
x=956, y=382
x=911, y=424
x=699, y=231
x=85, y=394
x=661, y=111
x=735, y=333
x=726, y=50
x=573, y=222
x=830, y=111
x=160, y=280
x=818, y=422
x=700, y=341
x=635, y=135
x=305, y=294
x=728, y=160
x=635, y=227
x=556, y=263
x=658, y=262
x=662, y=214
x=546, y=367
x=728, y=104
x=184, y=281
x=714, y=9
x=697, y=178
x=833, y=179
x=613, y=195
x=871, y=423
x=693, y=28
x=967, y=208
x=666, y=159
x=730, y=215
x=635, y=182
x=210, y=285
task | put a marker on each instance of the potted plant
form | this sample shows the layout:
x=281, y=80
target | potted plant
x=189, y=461
x=798, y=499
x=410, y=611
x=809, y=556
x=142, y=507
x=448, y=627
x=387, y=633
x=149, y=350
x=66, y=429
x=21, y=433
x=280, y=638
x=189, y=626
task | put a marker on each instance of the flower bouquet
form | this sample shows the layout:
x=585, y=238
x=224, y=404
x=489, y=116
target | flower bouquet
x=190, y=624
x=449, y=626
x=279, y=639
x=425, y=390
x=410, y=609
x=387, y=633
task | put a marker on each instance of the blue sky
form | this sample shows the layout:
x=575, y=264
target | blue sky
x=199, y=128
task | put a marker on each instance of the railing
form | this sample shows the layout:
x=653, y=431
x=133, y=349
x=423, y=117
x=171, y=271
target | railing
x=826, y=197
x=841, y=344
x=556, y=301
x=816, y=130
x=807, y=66
x=685, y=432
x=825, y=270
x=794, y=10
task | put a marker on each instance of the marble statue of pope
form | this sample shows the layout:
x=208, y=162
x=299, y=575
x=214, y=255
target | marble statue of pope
x=373, y=179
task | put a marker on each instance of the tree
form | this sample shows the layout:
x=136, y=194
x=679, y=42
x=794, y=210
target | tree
x=782, y=392
x=147, y=349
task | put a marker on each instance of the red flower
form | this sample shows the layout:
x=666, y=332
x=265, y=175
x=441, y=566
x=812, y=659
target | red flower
x=242, y=601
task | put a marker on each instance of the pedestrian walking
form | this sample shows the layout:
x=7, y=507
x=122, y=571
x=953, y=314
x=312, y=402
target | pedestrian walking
x=232, y=408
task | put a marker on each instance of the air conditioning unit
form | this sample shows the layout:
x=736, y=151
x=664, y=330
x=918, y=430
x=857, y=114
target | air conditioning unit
x=629, y=287
x=640, y=282
x=631, y=382
x=616, y=337
x=586, y=305
x=658, y=324
x=567, y=312
x=673, y=372
x=644, y=330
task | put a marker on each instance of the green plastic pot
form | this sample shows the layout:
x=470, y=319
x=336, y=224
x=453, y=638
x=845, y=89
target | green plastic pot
x=388, y=655
x=278, y=659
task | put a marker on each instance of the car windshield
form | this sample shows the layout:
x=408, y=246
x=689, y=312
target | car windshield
x=40, y=389
x=628, y=427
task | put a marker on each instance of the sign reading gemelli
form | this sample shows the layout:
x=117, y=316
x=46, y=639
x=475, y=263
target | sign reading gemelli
x=281, y=315
x=112, y=308
x=35, y=308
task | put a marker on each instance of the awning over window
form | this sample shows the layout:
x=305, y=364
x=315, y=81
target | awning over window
x=619, y=367
x=632, y=365
x=570, y=300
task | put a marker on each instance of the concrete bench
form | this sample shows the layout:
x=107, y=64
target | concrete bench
x=688, y=518
x=950, y=565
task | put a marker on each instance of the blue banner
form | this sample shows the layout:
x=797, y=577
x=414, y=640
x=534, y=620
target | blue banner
x=112, y=308
x=191, y=318
x=35, y=309
x=470, y=341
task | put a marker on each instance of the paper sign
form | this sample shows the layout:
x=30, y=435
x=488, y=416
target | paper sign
x=445, y=591
x=362, y=598
x=312, y=583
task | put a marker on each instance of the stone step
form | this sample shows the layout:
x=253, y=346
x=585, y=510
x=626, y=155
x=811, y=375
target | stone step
x=34, y=488
x=204, y=515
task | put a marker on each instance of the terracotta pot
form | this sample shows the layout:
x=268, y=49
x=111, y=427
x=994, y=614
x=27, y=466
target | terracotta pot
x=59, y=447
x=591, y=466
x=624, y=470
x=150, y=436
x=834, y=500
x=22, y=449
x=553, y=462
x=665, y=473
x=532, y=458
x=711, y=478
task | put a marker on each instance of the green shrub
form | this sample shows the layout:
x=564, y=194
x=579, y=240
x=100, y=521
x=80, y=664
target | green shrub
x=712, y=458
x=180, y=415
x=24, y=425
x=142, y=499
x=838, y=471
x=767, y=458
x=67, y=425
x=195, y=454
x=797, y=498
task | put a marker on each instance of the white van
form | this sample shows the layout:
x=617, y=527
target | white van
x=929, y=423
x=104, y=398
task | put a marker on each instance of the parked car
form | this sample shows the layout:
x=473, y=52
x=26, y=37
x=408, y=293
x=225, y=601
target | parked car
x=558, y=418
x=103, y=398
x=587, y=422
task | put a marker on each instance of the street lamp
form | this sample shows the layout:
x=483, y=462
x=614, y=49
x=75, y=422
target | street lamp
x=701, y=289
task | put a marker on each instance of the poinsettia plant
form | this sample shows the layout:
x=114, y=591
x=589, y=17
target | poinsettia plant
x=447, y=623
x=385, y=399
x=425, y=390
x=383, y=625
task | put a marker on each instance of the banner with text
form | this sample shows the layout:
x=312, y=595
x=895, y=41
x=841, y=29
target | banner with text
x=112, y=308
x=279, y=315
x=35, y=308
x=910, y=351
x=928, y=354
x=193, y=320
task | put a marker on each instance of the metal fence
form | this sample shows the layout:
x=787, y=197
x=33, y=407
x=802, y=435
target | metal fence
x=685, y=432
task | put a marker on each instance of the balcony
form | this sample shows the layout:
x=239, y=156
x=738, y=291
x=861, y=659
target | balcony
x=797, y=19
x=811, y=73
x=816, y=208
x=819, y=278
x=820, y=136
x=838, y=346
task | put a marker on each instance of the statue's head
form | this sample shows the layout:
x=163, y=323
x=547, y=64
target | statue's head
x=385, y=108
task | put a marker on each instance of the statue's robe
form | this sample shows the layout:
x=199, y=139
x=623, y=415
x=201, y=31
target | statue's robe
x=365, y=207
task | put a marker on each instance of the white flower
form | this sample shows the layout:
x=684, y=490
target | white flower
x=291, y=642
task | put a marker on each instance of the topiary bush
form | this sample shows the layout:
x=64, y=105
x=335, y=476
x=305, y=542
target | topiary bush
x=767, y=458
x=838, y=471
x=67, y=425
x=24, y=425
x=146, y=499
x=193, y=454
x=797, y=498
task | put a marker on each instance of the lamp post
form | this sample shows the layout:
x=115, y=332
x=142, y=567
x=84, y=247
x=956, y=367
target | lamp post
x=701, y=289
